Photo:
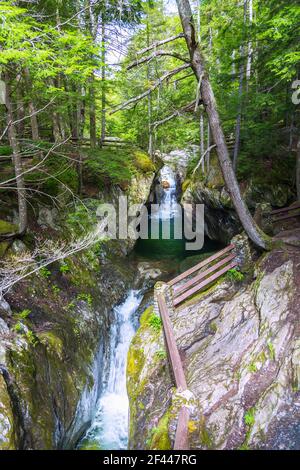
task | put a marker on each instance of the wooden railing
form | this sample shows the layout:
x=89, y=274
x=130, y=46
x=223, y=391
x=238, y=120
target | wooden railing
x=216, y=266
x=181, y=437
x=286, y=213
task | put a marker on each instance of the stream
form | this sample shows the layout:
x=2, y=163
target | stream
x=109, y=427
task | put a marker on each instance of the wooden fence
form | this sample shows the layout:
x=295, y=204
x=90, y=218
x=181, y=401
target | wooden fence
x=215, y=267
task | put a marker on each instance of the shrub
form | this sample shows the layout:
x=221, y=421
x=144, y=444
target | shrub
x=155, y=322
x=235, y=276
x=24, y=314
x=64, y=268
x=249, y=417
x=44, y=272
x=86, y=298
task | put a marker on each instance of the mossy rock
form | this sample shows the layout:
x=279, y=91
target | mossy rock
x=160, y=434
x=7, y=441
x=7, y=227
x=143, y=162
x=3, y=248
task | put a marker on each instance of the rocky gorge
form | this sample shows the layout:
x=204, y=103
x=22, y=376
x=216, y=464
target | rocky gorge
x=56, y=332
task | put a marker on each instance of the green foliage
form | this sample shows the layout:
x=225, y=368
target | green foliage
x=271, y=350
x=252, y=368
x=155, y=322
x=5, y=150
x=105, y=167
x=60, y=176
x=234, y=275
x=143, y=162
x=64, y=268
x=18, y=327
x=86, y=298
x=55, y=290
x=24, y=314
x=161, y=354
x=249, y=417
x=44, y=272
x=31, y=338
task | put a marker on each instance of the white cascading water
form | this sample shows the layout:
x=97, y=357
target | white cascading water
x=168, y=202
x=109, y=428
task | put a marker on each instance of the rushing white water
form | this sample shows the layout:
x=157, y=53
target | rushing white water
x=168, y=201
x=109, y=429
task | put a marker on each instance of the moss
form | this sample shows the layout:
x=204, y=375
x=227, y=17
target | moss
x=89, y=445
x=185, y=185
x=204, y=436
x=53, y=342
x=3, y=248
x=143, y=162
x=7, y=227
x=160, y=434
x=7, y=437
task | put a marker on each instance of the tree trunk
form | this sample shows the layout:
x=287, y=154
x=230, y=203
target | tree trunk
x=20, y=107
x=81, y=113
x=31, y=106
x=150, y=128
x=240, y=102
x=208, y=147
x=209, y=102
x=250, y=47
x=103, y=91
x=93, y=138
x=238, y=120
x=298, y=170
x=202, y=141
x=17, y=160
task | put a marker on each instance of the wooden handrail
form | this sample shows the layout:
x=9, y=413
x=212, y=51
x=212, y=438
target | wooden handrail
x=199, y=277
x=200, y=265
x=171, y=345
x=182, y=430
x=181, y=293
x=194, y=290
x=286, y=209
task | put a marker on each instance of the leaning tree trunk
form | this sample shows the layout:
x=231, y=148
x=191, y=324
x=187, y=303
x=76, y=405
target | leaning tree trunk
x=17, y=159
x=209, y=102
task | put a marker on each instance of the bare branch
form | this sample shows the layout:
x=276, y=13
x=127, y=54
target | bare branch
x=25, y=117
x=155, y=54
x=203, y=156
x=178, y=112
x=156, y=85
x=160, y=43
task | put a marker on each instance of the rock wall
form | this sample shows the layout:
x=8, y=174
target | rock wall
x=54, y=334
x=241, y=344
x=221, y=221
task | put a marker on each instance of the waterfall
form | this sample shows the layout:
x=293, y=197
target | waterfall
x=168, y=195
x=109, y=428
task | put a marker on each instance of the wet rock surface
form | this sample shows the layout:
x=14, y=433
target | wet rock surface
x=54, y=334
x=240, y=344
